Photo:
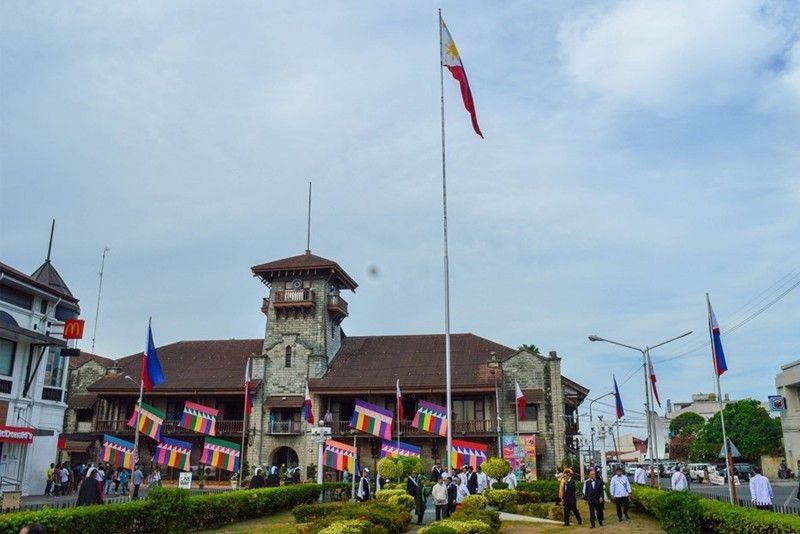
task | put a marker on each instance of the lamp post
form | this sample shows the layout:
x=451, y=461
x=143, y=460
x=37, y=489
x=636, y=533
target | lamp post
x=136, y=430
x=320, y=433
x=494, y=368
x=645, y=354
x=591, y=427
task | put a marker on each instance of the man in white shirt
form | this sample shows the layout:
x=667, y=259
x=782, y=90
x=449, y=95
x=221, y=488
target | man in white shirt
x=679, y=482
x=640, y=476
x=483, y=480
x=511, y=480
x=440, y=499
x=620, y=490
x=760, y=490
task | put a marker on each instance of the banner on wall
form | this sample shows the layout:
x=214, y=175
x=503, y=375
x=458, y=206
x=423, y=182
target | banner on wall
x=520, y=452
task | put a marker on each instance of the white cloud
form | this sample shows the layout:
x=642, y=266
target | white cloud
x=670, y=56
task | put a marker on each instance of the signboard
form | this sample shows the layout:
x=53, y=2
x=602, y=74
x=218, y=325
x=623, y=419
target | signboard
x=16, y=434
x=776, y=403
x=185, y=480
x=520, y=452
x=73, y=329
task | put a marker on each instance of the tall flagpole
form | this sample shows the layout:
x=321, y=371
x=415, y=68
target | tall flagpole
x=726, y=449
x=242, y=456
x=141, y=394
x=446, y=264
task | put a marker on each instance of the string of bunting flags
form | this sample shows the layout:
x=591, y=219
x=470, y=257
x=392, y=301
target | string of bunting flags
x=174, y=453
x=149, y=421
x=340, y=456
x=395, y=448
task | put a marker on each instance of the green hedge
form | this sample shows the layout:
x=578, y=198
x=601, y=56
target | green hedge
x=165, y=510
x=715, y=516
x=392, y=519
x=548, y=489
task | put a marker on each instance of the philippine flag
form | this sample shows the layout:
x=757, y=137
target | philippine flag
x=716, y=342
x=452, y=60
x=248, y=389
x=308, y=409
x=521, y=402
x=620, y=409
x=401, y=413
x=152, y=375
x=652, y=372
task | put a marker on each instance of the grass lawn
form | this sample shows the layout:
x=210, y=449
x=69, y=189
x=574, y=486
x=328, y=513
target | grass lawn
x=638, y=523
x=281, y=522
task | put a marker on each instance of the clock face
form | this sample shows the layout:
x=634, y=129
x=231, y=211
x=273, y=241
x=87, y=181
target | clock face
x=297, y=283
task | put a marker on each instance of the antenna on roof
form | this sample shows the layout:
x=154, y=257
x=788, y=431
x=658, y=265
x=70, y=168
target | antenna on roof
x=99, y=290
x=50, y=245
x=308, y=227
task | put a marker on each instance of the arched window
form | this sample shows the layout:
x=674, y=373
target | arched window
x=288, y=357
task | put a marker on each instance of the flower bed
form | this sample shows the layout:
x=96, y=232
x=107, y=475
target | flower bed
x=166, y=510
x=682, y=512
x=385, y=517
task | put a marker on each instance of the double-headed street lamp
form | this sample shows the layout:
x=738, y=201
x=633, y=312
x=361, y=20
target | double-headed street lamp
x=645, y=354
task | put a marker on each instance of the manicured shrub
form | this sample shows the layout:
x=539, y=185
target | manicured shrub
x=556, y=513
x=678, y=512
x=165, y=510
x=500, y=485
x=535, y=510
x=393, y=519
x=474, y=502
x=496, y=468
x=406, y=502
x=390, y=467
x=548, y=489
x=384, y=494
x=306, y=513
x=502, y=499
x=528, y=497
x=721, y=517
x=488, y=517
x=451, y=526
x=394, y=485
x=643, y=499
x=353, y=526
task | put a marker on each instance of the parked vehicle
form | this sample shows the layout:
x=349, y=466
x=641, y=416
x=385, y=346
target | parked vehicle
x=743, y=470
x=666, y=468
x=630, y=468
x=697, y=471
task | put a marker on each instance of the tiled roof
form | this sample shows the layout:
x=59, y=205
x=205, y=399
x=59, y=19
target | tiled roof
x=47, y=275
x=303, y=263
x=82, y=401
x=376, y=362
x=77, y=361
x=43, y=284
x=210, y=365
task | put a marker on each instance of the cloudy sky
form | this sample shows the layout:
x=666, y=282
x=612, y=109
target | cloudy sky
x=637, y=155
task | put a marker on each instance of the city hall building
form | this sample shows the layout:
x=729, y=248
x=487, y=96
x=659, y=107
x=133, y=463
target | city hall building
x=304, y=343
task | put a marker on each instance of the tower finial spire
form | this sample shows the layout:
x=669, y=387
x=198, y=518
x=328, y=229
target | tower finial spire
x=50, y=245
x=308, y=226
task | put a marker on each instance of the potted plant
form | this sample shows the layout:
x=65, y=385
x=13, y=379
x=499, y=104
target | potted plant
x=201, y=476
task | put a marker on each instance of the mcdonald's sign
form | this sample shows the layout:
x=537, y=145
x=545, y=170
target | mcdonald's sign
x=73, y=329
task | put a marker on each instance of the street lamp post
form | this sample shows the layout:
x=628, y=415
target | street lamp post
x=591, y=423
x=136, y=430
x=645, y=354
x=494, y=368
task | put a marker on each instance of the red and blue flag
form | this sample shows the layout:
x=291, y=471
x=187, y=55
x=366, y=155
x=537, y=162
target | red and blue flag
x=152, y=375
x=248, y=389
x=720, y=365
x=308, y=409
x=618, y=400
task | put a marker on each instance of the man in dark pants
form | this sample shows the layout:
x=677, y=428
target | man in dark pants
x=472, y=481
x=452, y=492
x=594, y=493
x=570, y=500
x=620, y=491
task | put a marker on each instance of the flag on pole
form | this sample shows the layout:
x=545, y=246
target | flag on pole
x=372, y=419
x=174, y=453
x=397, y=448
x=117, y=451
x=340, y=456
x=467, y=453
x=431, y=418
x=716, y=342
x=521, y=402
x=618, y=400
x=248, y=389
x=199, y=418
x=308, y=408
x=652, y=372
x=221, y=453
x=401, y=413
x=452, y=60
x=152, y=375
x=149, y=420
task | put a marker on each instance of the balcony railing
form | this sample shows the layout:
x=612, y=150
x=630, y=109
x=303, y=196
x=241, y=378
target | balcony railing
x=169, y=427
x=337, y=304
x=293, y=298
x=52, y=394
x=472, y=427
x=285, y=427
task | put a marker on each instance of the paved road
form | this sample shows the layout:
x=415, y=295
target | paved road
x=784, y=491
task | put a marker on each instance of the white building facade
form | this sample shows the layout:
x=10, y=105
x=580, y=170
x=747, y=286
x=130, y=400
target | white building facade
x=787, y=382
x=33, y=374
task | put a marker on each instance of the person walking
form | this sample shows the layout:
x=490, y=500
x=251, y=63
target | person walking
x=569, y=499
x=49, y=486
x=91, y=491
x=452, y=494
x=483, y=480
x=640, y=476
x=594, y=493
x=137, y=477
x=363, y=486
x=463, y=490
x=63, y=478
x=620, y=492
x=413, y=489
x=109, y=479
x=679, y=482
x=472, y=480
x=440, y=499
x=760, y=490
x=124, y=480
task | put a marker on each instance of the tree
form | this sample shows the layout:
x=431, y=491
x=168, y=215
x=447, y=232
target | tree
x=686, y=423
x=749, y=427
x=533, y=349
x=496, y=468
x=390, y=467
x=680, y=446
